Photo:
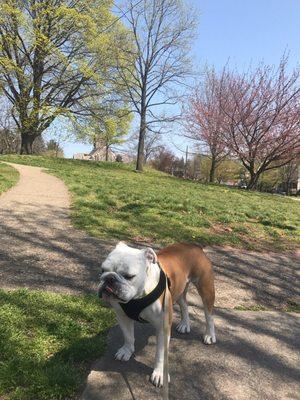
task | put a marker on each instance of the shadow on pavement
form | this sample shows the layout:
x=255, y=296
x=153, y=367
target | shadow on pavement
x=40, y=249
x=256, y=357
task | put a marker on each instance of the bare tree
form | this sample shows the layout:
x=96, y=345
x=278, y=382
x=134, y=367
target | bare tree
x=262, y=117
x=151, y=146
x=203, y=119
x=161, y=31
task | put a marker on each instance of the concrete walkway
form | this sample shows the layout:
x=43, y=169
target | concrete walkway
x=256, y=358
x=257, y=354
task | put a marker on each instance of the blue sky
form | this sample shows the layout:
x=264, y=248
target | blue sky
x=242, y=31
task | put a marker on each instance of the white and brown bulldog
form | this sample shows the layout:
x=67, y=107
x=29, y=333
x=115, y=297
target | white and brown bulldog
x=133, y=283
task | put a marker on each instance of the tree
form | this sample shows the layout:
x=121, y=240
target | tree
x=9, y=142
x=48, y=62
x=9, y=139
x=103, y=128
x=228, y=170
x=262, y=117
x=287, y=173
x=53, y=149
x=203, y=118
x=111, y=132
x=151, y=146
x=157, y=61
x=164, y=160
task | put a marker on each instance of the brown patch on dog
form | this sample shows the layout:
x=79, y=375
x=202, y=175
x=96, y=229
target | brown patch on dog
x=184, y=262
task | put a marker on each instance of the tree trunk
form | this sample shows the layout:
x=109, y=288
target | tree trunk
x=253, y=181
x=106, y=153
x=141, y=145
x=26, y=143
x=212, y=170
x=287, y=186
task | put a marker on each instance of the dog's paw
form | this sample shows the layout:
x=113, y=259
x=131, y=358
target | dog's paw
x=123, y=354
x=157, y=378
x=208, y=339
x=183, y=327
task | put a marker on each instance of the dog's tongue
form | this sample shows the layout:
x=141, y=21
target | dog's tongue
x=109, y=289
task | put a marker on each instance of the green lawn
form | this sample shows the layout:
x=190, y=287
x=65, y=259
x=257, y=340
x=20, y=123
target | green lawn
x=47, y=342
x=8, y=177
x=110, y=201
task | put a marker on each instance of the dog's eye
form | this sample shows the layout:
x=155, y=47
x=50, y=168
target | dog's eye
x=128, y=277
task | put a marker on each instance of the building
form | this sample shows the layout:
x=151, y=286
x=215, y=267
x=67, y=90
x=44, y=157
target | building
x=100, y=153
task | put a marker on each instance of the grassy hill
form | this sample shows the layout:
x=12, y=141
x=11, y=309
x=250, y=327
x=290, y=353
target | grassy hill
x=8, y=177
x=110, y=200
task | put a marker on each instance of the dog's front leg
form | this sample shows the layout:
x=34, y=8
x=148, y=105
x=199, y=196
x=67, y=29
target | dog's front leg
x=127, y=327
x=157, y=374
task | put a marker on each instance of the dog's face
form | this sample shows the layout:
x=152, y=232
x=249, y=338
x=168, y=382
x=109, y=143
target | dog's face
x=124, y=273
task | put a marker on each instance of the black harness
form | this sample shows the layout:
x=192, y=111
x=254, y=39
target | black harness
x=134, y=307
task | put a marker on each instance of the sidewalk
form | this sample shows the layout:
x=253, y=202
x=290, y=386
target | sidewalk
x=256, y=357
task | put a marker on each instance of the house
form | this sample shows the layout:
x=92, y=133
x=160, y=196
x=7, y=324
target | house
x=100, y=153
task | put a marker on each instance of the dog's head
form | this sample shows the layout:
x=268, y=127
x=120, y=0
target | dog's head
x=124, y=273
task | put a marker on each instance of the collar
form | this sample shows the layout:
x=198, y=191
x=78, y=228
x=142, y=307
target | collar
x=134, y=307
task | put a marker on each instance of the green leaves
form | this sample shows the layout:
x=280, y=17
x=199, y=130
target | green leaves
x=55, y=56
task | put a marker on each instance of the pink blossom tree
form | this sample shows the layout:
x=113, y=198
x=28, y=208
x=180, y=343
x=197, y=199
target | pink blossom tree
x=261, y=117
x=204, y=117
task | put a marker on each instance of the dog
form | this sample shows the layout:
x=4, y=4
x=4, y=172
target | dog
x=133, y=282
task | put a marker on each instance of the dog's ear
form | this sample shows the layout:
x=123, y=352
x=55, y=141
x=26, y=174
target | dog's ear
x=150, y=255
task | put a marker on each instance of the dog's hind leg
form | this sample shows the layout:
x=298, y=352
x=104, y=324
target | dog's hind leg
x=184, y=325
x=209, y=336
x=205, y=287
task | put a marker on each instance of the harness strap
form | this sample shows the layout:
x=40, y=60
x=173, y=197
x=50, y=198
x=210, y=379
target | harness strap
x=166, y=327
x=135, y=306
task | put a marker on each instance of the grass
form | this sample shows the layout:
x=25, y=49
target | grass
x=256, y=307
x=291, y=307
x=47, y=342
x=110, y=201
x=8, y=177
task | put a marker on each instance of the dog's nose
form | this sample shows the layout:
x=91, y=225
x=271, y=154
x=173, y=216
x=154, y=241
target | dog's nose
x=110, y=279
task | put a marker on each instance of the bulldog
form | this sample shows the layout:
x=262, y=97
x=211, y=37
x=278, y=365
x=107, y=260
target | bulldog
x=133, y=282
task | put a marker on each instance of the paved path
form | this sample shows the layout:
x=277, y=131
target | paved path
x=256, y=358
x=39, y=247
x=257, y=354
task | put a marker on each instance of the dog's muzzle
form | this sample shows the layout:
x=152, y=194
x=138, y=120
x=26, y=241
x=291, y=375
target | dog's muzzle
x=109, y=286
